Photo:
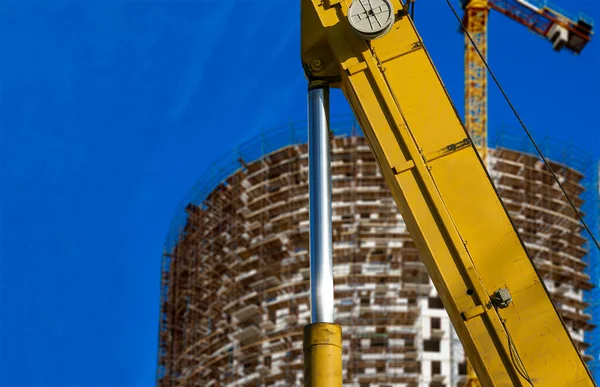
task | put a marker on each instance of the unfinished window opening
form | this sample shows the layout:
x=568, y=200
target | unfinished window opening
x=462, y=368
x=436, y=368
x=431, y=345
x=435, y=303
x=379, y=341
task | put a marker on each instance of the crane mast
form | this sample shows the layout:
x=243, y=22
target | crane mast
x=496, y=300
x=475, y=22
x=554, y=26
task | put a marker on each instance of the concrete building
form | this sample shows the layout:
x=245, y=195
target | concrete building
x=235, y=279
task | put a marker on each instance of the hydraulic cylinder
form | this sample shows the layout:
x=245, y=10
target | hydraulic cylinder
x=322, y=338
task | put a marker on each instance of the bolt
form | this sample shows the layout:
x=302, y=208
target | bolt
x=317, y=65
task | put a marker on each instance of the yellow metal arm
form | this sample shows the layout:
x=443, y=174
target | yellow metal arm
x=497, y=302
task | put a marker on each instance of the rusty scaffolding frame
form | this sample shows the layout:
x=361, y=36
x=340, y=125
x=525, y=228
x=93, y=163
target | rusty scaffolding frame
x=234, y=276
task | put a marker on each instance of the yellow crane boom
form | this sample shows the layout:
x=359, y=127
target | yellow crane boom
x=494, y=297
x=543, y=21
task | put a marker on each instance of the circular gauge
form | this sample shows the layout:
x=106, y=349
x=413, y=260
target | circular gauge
x=371, y=19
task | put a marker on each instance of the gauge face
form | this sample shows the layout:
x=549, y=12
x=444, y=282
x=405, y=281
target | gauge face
x=371, y=18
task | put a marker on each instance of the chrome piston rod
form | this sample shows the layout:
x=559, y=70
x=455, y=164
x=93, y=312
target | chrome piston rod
x=319, y=171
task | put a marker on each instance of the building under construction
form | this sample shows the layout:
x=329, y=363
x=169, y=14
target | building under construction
x=235, y=275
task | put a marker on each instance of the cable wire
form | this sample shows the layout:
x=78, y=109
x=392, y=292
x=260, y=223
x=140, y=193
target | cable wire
x=523, y=125
x=514, y=354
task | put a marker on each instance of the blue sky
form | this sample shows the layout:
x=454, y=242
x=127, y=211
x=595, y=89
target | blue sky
x=109, y=112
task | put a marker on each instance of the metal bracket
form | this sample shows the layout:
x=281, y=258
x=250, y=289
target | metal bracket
x=465, y=143
x=501, y=298
x=473, y=312
x=331, y=3
x=356, y=68
x=404, y=10
x=405, y=166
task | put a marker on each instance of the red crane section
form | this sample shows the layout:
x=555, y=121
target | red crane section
x=561, y=30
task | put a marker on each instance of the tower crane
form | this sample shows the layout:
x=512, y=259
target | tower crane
x=552, y=25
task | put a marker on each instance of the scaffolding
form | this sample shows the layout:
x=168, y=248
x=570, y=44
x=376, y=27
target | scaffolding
x=591, y=209
x=235, y=270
